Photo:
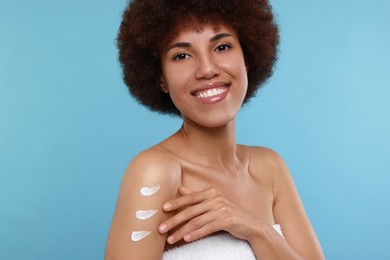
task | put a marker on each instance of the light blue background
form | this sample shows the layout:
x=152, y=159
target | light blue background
x=68, y=128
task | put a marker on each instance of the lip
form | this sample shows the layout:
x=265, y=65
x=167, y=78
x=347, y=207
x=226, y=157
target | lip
x=223, y=88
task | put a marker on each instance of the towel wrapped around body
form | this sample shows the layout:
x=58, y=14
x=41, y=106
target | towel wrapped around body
x=219, y=247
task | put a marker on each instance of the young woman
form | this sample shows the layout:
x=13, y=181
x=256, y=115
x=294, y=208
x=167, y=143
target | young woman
x=198, y=194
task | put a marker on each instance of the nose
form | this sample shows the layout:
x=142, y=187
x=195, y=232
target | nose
x=207, y=68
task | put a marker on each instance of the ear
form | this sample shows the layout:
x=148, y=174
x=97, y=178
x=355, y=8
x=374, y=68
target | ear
x=163, y=86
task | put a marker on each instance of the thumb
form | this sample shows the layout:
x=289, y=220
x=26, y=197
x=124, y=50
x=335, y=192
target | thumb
x=184, y=191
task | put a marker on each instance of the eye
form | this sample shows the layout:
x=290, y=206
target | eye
x=223, y=47
x=181, y=56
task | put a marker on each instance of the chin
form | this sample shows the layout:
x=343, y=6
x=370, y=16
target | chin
x=212, y=121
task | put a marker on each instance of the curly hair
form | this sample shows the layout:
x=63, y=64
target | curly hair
x=148, y=24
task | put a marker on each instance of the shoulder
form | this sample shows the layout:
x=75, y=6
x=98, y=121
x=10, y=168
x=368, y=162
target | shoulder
x=265, y=154
x=265, y=159
x=267, y=165
x=153, y=165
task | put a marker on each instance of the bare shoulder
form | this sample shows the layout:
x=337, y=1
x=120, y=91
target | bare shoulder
x=152, y=178
x=267, y=166
x=264, y=154
x=266, y=161
x=153, y=165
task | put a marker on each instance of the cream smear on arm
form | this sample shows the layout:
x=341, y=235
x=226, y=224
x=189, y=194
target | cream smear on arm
x=144, y=214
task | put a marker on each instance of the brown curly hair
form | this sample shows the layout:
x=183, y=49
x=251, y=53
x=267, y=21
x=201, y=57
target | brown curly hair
x=148, y=24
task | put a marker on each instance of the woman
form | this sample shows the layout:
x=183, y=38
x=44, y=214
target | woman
x=198, y=194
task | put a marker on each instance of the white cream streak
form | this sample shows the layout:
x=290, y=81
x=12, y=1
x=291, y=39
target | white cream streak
x=146, y=191
x=145, y=214
x=278, y=229
x=138, y=235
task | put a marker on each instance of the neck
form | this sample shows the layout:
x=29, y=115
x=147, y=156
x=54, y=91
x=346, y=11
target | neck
x=215, y=147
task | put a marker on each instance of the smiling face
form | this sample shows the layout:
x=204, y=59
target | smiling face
x=205, y=74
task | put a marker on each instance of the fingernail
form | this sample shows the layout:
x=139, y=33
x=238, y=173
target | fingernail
x=170, y=239
x=167, y=206
x=162, y=227
x=187, y=238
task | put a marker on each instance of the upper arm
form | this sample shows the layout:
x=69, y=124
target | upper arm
x=290, y=213
x=147, y=170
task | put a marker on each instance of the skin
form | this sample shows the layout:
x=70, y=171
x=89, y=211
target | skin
x=205, y=176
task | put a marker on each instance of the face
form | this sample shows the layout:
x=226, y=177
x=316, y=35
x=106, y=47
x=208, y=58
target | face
x=205, y=74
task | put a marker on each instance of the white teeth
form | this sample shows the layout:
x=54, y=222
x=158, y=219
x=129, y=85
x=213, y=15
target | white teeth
x=211, y=92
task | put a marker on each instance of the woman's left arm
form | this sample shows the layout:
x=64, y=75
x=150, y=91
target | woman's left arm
x=289, y=212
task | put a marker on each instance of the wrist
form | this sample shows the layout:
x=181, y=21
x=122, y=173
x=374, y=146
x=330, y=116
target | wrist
x=259, y=231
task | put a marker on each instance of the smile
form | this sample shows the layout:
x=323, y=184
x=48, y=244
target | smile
x=212, y=93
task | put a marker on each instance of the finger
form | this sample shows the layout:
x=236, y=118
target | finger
x=202, y=232
x=197, y=228
x=184, y=216
x=185, y=200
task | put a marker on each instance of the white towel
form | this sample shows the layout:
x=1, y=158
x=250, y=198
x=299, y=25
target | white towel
x=219, y=247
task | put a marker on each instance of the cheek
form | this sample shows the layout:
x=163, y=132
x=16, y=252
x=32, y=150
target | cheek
x=242, y=78
x=241, y=74
x=235, y=66
x=176, y=82
x=176, y=77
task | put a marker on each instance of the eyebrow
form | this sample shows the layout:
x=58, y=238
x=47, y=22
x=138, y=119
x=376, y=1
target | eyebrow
x=187, y=44
x=219, y=36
